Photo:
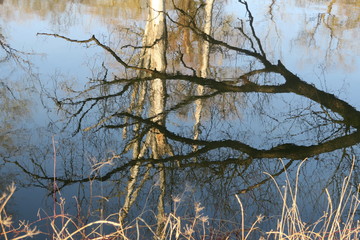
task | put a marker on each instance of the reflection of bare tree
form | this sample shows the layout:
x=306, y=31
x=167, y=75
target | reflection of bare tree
x=9, y=53
x=293, y=84
x=144, y=112
x=12, y=104
x=14, y=107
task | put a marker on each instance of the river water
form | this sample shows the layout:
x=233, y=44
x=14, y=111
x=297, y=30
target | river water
x=191, y=113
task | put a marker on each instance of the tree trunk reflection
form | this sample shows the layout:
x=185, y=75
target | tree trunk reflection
x=204, y=65
x=153, y=57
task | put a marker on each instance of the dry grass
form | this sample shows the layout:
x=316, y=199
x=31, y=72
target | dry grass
x=337, y=223
x=8, y=231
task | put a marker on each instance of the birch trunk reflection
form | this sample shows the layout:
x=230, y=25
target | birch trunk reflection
x=154, y=58
x=204, y=65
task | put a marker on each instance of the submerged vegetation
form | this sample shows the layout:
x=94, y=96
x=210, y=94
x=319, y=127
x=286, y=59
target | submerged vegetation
x=340, y=221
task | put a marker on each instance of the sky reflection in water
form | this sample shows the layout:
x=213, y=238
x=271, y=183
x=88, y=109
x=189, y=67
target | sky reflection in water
x=302, y=37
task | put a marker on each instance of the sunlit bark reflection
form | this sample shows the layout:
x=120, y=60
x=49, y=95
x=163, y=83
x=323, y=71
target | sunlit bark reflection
x=154, y=58
x=204, y=65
